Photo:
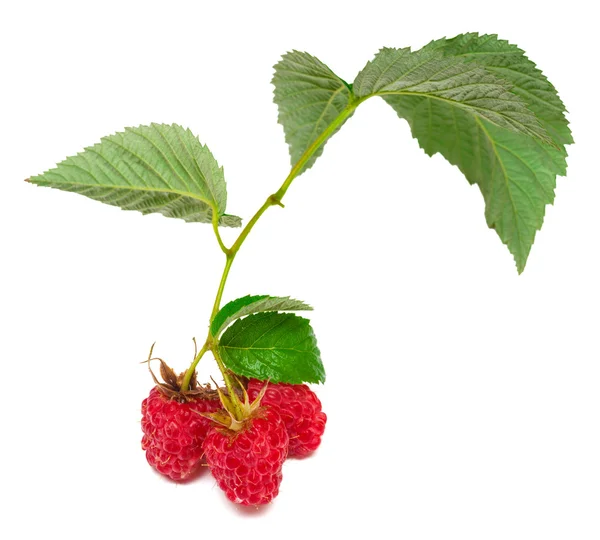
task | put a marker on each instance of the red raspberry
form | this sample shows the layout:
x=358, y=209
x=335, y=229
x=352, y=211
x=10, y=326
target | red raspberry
x=299, y=408
x=174, y=433
x=247, y=463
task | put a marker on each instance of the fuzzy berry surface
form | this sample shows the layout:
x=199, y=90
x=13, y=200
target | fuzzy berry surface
x=247, y=464
x=300, y=410
x=174, y=433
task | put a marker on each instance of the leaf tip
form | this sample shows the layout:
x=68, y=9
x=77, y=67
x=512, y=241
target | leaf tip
x=321, y=379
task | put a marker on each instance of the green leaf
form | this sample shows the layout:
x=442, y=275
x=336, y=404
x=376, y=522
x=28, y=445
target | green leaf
x=477, y=121
x=510, y=63
x=455, y=82
x=236, y=309
x=280, y=347
x=156, y=168
x=309, y=97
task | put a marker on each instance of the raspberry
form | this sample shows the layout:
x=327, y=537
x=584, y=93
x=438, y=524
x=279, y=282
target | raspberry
x=300, y=410
x=247, y=463
x=174, y=433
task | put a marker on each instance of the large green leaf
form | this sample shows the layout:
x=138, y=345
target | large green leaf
x=309, y=97
x=507, y=61
x=477, y=121
x=280, y=347
x=236, y=309
x=454, y=81
x=156, y=168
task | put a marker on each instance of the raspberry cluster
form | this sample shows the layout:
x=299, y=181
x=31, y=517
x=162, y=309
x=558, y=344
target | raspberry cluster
x=245, y=456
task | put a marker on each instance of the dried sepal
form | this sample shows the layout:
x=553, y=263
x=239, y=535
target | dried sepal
x=171, y=383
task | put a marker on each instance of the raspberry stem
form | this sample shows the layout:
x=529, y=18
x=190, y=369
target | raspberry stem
x=275, y=198
x=237, y=411
x=190, y=372
x=230, y=253
x=215, y=225
x=228, y=262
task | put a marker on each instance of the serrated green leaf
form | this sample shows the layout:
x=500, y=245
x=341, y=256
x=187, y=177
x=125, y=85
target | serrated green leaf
x=454, y=81
x=247, y=305
x=509, y=62
x=157, y=168
x=477, y=120
x=280, y=347
x=309, y=97
x=515, y=174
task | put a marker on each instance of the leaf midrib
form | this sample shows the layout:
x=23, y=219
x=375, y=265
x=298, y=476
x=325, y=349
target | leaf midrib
x=303, y=351
x=464, y=106
x=322, y=115
x=128, y=188
x=266, y=365
x=506, y=178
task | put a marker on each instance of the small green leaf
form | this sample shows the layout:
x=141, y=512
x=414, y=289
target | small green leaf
x=156, y=168
x=280, y=347
x=227, y=313
x=236, y=309
x=309, y=97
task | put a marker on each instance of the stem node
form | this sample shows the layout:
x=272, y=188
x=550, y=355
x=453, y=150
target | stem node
x=274, y=200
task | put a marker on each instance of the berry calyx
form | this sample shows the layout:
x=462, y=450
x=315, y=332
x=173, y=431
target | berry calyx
x=300, y=410
x=236, y=413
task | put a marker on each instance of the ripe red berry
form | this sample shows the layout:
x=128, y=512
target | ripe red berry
x=247, y=463
x=300, y=410
x=174, y=432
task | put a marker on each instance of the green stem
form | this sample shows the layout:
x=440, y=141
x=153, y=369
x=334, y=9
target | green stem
x=217, y=304
x=215, y=225
x=331, y=129
x=237, y=411
x=190, y=372
x=275, y=199
x=272, y=200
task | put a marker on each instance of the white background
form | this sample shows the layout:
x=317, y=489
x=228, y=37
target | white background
x=463, y=399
